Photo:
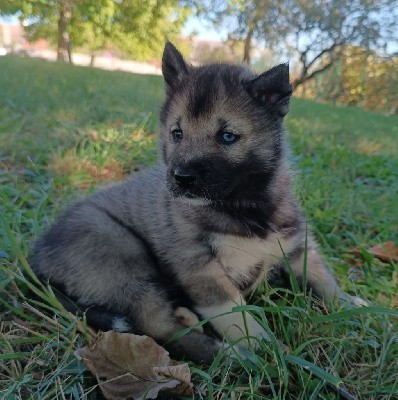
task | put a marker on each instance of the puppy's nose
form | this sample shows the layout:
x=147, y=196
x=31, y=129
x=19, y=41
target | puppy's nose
x=185, y=176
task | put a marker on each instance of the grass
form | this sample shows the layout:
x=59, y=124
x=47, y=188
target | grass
x=66, y=130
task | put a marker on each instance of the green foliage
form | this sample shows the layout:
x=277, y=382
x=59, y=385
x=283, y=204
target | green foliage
x=142, y=31
x=361, y=78
x=347, y=161
x=8, y=8
x=91, y=23
x=137, y=29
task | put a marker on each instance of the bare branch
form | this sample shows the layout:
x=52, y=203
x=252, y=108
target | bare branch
x=324, y=51
x=303, y=78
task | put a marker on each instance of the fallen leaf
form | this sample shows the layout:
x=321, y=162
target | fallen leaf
x=386, y=252
x=351, y=257
x=129, y=366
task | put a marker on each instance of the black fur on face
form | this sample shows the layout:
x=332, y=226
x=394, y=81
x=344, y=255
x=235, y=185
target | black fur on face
x=219, y=179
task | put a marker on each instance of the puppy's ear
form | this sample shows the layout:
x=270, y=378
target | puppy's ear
x=174, y=67
x=272, y=88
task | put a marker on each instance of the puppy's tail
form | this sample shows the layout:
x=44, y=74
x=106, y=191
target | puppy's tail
x=98, y=317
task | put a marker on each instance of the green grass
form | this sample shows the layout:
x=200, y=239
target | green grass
x=66, y=130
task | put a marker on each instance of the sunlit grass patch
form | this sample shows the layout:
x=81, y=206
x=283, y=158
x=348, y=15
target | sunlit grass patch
x=368, y=147
x=106, y=153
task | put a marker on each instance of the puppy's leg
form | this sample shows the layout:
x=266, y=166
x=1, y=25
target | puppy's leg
x=215, y=296
x=156, y=317
x=318, y=277
x=234, y=325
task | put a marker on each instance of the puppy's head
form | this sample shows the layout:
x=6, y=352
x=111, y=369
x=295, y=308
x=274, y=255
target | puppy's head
x=221, y=128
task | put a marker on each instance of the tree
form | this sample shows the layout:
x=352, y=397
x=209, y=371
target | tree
x=313, y=30
x=359, y=78
x=141, y=29
x=318, y=30
x=245, y=20
x=64, y=43
x=92, y=24
x=136, y=28
x=49, y=19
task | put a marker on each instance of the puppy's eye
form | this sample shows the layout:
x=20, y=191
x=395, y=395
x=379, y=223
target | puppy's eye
x=176, y=134
x=228, y=137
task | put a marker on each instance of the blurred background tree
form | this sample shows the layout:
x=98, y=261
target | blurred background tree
x=312, y=31
x=319, y=30
x=359, y=77
x=138, y=29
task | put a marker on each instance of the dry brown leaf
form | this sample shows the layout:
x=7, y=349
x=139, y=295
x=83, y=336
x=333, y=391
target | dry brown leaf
x=385, y=252
x=351, y=257
x=129, y=366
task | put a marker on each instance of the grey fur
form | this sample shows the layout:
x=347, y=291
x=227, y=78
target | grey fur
x=147, y=246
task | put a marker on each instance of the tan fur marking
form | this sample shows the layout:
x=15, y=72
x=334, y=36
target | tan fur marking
x=238, y=255
x=212, y=275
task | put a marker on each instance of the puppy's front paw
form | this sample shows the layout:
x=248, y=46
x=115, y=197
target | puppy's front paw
x=187, y=318
x=256, y=331
x=354, y=300
x=257, y=334
x=359, y=302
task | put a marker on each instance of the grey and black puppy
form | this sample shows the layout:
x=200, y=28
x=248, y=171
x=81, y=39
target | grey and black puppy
x=190, y=236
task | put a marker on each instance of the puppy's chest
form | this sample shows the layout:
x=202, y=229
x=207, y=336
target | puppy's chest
x=248, y=260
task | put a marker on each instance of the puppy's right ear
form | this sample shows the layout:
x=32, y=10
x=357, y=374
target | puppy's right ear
x=174, y=67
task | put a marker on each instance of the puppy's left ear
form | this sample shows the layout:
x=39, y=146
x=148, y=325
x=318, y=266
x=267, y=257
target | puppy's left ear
x=272, y=88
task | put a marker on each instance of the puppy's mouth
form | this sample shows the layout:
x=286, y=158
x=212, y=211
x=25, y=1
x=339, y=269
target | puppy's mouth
x=192, y=196
x=189, y=196
x=193, y=201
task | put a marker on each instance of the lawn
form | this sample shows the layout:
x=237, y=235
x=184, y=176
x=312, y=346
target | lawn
x=65, y=131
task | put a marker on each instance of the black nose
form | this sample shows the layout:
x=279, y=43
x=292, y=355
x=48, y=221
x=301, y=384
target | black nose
x=185, y=176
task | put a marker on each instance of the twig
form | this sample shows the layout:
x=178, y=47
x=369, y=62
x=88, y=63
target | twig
x=342, y=393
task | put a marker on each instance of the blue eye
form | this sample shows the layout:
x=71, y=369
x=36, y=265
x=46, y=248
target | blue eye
x=228, y=137
x=177, y=135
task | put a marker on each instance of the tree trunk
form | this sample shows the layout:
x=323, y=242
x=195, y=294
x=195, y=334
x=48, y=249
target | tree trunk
x=248, y=47
x=64, y=45
x=92, y=59
x=70, y=52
